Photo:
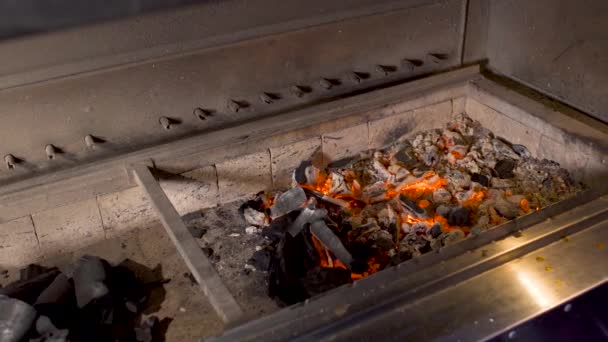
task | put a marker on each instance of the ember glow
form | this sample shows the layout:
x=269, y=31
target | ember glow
x=417, y=195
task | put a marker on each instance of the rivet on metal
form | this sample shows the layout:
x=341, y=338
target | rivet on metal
x=512, y=335
x=201, y=113
x=438, y=57
x=410, y=64
x=385, y=69
x=354, y=77
x=90, y=141
x=51, y=151
x=235, y=106
x=11, y=161
x=165, y=122
x=567, y=307
x=326, y=84
x=298, y=91
x=269, y=98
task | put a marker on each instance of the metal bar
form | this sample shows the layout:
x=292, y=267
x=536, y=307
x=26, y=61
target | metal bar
x=222, y=301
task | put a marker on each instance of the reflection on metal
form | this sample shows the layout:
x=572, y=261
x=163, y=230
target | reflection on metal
x=536, y=288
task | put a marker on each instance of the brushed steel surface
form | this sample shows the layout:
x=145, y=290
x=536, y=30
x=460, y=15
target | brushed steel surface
x=123, y=105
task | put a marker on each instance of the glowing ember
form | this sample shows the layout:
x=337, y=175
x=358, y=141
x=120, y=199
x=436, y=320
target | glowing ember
x=422, y=194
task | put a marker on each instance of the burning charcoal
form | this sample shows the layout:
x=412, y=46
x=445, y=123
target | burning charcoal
x=327, y=199
x=407, y=156
x=306, y=216
x=419, y=227
x=443, y=210
x=89, y=277
x=414, y=244
x=383, y=172
x=400, y=172
x=430, y=155
x=453, y=236
x=521, y=150
x=451, y=138
x=458, y=216
x=506, y=209
x=458, y=179
x=338, y=185
x=382, y=239
x=16, y=317
x=288, y=201
x=504, y=168
x=503, y=149
x=331, y=242
x=49, y=331
x=481, y=179
x=412, y=207
x=435, y=230
x=254, y=217
x=276, y=231
x=145, y=332
x=441, y=196
x=500, y=183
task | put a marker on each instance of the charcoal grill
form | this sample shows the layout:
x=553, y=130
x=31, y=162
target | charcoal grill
x=221, y=110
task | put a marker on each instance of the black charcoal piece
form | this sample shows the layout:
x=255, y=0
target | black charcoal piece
x=521, y=150
x=300, y=172
x=327, y=237
x=29, y=290
x=435, y=230
x=16, y=318
x=89, y=277
x=59, y=291
x=412, y=207
x=407, y=157
x=504, y=168
x=481, y=179
x=306, y=216
x=288, y=201
x=458, y=216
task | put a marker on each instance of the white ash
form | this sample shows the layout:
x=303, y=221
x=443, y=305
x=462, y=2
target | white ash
x=430, y=191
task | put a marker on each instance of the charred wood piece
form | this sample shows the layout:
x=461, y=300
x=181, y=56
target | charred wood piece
x=89, y=277
x=307, y=216
x=288, y=201
x=412, y=207
x=16, y=317
x=327, y=237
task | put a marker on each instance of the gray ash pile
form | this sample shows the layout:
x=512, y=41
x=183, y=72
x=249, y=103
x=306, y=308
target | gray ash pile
x=352, y=218
x=93, y=301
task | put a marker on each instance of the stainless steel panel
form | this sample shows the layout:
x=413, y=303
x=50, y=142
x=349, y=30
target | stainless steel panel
x=123, y=106
x=558, y=47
